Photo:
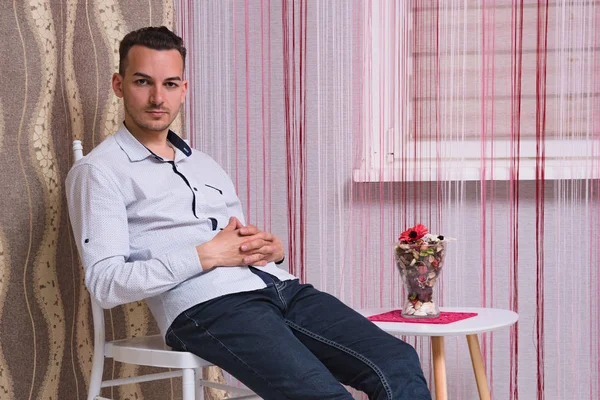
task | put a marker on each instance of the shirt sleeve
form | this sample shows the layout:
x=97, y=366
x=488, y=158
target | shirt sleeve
x=98, y=214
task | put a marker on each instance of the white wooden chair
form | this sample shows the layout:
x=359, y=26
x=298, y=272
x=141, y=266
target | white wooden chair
x=150, y=351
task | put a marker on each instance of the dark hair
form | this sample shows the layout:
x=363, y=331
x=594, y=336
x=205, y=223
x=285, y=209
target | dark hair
x=152, y=37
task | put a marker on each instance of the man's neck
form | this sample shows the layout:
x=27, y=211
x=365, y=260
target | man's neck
x=156, y=142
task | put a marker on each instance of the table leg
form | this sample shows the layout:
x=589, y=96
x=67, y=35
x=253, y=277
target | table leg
x=439, y=367
x=478, y=367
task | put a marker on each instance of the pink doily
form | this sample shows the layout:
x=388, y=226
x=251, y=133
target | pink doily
x=446, y=317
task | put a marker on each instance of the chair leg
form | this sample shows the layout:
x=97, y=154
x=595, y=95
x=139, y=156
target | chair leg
x=199, y=386
x=188, y=384
x=95, y=377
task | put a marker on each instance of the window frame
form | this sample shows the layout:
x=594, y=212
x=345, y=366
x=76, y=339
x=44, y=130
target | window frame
x=387, y=156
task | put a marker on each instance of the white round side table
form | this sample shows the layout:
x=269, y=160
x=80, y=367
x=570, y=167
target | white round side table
x=487, y=319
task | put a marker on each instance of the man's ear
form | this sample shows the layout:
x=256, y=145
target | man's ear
x=184, y=84
x=117, y=84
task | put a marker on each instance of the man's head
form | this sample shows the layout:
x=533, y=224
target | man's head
x=152, y=37
x=150, y=80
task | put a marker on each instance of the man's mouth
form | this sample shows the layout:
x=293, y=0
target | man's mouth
x=156, y=112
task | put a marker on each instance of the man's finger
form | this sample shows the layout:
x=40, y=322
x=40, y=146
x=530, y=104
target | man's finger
x=253, y=259
x=231, y=225
x=249, y=230
x=238, y=223
x=260, y=264
x=268, y=237
x=253, y=245
x=266, y=250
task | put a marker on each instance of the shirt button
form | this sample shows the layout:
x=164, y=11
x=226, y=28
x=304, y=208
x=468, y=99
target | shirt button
x=196, y=189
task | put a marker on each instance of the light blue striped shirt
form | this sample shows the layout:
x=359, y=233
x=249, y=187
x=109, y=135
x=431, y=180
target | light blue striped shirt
x=138, y=218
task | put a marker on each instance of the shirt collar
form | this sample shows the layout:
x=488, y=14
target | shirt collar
x=137, y=151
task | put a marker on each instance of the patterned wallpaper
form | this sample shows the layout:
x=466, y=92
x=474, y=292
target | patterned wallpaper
x=56, y=61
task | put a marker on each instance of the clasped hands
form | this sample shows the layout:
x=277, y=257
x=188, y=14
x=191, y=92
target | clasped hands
x=238, y=245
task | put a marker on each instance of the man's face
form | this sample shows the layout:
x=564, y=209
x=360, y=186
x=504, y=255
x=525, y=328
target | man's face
x=152, y=89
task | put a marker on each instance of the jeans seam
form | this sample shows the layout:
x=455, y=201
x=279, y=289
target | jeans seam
x=190, y=318
x=281, y=297
x=179, y=340
x=230, y=352
x=279, y=284
x=346, y=350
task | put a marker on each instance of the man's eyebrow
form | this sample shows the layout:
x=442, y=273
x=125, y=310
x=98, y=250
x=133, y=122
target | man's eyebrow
x=142, y=75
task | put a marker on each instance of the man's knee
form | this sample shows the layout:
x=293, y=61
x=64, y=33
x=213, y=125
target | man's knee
x=402, y=358
x=404, y=373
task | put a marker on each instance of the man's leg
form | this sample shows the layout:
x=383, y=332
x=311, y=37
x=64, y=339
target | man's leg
x=246, y=335
x=357, y=352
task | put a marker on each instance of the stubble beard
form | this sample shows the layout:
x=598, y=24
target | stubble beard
x=155, y=126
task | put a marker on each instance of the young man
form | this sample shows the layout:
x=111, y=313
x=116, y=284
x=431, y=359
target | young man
x=156, y=220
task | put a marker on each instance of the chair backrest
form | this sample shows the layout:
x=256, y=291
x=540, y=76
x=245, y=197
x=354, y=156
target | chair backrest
x=97, y=311
x=77, y=150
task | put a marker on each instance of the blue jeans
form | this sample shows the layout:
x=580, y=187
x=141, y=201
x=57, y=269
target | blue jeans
x=291, y=341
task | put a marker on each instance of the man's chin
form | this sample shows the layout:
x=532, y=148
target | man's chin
x=156, y=126
x=153, y=125
x=160, y=128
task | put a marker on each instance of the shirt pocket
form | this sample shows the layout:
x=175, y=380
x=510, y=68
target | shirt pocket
x=212, y=205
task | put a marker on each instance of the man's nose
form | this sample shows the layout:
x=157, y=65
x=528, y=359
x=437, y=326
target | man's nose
x=156, y=95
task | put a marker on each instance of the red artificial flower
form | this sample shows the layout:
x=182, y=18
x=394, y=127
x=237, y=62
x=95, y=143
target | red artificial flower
x=413, y=234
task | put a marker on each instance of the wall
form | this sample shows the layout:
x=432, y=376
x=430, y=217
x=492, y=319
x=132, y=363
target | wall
x=56, y=60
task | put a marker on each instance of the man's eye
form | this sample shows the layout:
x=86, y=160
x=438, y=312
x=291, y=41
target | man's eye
x=171, y=85
x=141, y=82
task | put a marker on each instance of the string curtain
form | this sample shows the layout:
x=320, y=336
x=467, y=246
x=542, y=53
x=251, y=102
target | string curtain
x=342, y=123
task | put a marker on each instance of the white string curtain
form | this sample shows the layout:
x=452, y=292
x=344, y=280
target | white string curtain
x=343, y=123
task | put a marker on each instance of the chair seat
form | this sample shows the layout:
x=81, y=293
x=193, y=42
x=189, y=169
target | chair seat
x=151, y=351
